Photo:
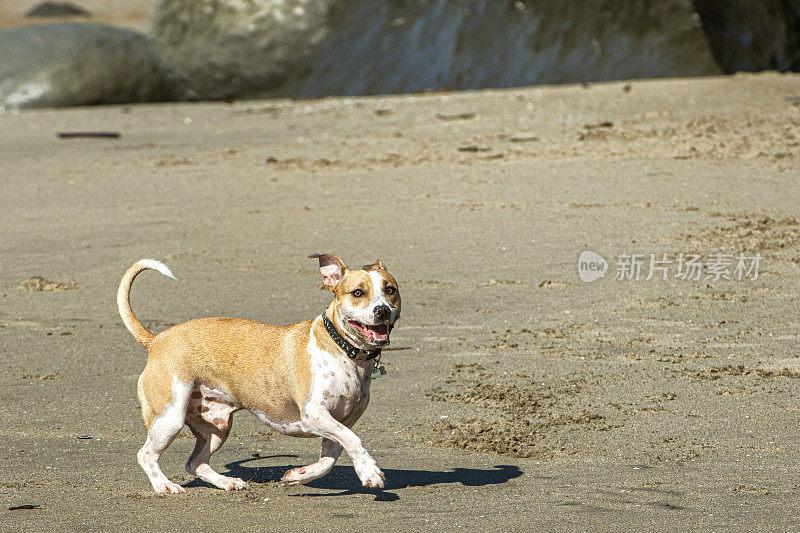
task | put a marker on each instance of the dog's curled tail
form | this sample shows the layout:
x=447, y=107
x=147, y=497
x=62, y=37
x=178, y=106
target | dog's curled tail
x=137, y=329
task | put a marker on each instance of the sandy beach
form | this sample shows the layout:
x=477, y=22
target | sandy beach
x=518, y=397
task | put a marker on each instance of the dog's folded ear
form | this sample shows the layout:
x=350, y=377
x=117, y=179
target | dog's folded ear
x=377, y=265
x=331, y=267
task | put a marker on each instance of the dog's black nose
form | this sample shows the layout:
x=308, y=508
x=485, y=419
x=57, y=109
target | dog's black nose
x=382, y=312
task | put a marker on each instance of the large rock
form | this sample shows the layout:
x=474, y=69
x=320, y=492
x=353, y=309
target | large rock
x=220, y=49
x=225, y=49
x=391, y=47
x=57, y=9
x=76, y=64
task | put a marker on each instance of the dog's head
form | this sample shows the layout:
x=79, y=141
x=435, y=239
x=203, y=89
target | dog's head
x=366, y=303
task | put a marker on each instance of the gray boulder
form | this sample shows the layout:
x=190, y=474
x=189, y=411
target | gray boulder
x=220, y=49
x=403, y=46
x=227, y=49
x=77, y=64
x=56, y=9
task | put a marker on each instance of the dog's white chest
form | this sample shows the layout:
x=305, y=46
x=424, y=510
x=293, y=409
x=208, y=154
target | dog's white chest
x=337, y=383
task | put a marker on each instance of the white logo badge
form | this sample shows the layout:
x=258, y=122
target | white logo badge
x=591, y=266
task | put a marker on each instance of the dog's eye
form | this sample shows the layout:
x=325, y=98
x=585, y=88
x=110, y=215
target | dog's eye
x=389, y=290
x=358, y=293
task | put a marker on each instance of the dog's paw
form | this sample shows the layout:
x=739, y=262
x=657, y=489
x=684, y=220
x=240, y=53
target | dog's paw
x=369, y=473
x=292, y=477
x=304, y=474
x=168, y=488
x=232, y=483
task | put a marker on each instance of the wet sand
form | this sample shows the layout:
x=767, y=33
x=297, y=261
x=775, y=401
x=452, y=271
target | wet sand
x=517, y=397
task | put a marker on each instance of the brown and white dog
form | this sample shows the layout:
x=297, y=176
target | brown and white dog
x=309, y=379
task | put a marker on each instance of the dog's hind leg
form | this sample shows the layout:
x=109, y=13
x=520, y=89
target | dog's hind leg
x=163, y=430
x=210, y=436
x=303, y=474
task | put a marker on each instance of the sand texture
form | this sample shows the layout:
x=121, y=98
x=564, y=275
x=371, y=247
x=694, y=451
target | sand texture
x=517, y=397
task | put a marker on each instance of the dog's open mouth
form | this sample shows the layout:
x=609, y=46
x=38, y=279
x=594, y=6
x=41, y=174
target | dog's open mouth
x=377, y=333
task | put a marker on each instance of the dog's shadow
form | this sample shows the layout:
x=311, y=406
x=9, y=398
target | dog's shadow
x=343, y=479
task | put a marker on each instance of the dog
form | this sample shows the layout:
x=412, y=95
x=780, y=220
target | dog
x=309, y=379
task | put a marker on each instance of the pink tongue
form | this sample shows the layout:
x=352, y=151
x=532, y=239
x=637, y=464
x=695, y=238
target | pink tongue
x=377, y=335
x=378, y=332
x=372, y=332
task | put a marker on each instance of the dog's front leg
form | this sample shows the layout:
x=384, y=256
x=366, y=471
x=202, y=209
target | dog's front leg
x=318, y=421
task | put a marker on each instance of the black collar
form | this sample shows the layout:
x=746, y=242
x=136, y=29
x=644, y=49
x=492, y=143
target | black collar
x=351, y=351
